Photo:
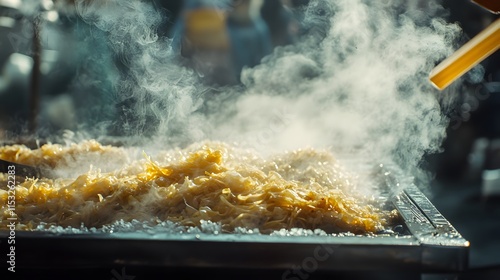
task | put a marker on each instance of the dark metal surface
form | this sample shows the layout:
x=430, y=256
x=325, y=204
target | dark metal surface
x=23, y=170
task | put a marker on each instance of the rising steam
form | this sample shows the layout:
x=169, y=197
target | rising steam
x=356, y=83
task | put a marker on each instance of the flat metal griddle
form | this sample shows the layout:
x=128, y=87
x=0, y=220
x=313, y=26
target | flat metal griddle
x=428, y=243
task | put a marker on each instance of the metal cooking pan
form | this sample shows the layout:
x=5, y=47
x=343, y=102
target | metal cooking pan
x=426, y=243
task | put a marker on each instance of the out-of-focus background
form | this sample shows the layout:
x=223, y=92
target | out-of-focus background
x=467, y=173
x=76, y=67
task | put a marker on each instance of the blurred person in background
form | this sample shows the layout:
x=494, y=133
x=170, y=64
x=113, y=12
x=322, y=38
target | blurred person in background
x=283, y=26
x=248, y=33
x=200, y=35
x=219, y=41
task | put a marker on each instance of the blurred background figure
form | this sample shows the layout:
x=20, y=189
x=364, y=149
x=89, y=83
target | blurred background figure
x=283, y=26
x=200, y=35
x=220, y=40
x=248, y=33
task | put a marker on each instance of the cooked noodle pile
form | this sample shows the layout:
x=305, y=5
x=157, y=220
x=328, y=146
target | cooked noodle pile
x=209, y=181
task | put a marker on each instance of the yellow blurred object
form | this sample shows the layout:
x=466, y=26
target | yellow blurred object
x=491, y=5
x=471, y=54
x=206, y=29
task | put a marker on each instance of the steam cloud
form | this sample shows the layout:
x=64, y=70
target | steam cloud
x=357, y=83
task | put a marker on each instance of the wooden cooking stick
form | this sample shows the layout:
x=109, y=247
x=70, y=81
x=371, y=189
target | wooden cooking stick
x=468, y=56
